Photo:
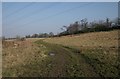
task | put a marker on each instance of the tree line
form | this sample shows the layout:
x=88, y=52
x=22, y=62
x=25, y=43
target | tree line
x=78, y=27
x=40, y=35
x=83, y=26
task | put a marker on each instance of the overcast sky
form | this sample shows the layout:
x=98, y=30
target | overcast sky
x=23, y=18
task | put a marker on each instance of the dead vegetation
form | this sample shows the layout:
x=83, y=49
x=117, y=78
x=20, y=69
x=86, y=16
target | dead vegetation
x=18, y=54
x=99, y=50
x=85, y=55
x=89, y=40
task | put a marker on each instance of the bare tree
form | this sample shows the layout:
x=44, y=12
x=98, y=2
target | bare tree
x=84, y=23
x=73, y=28
x=51, y=34
x=107, y=22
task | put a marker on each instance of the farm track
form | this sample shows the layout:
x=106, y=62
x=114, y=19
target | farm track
x=94, y=56
x=68, y=63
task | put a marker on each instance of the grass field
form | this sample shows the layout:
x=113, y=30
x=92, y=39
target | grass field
x=100, y=50
x=83, y=55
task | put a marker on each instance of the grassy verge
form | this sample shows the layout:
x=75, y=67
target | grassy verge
x=98, y=50
x=104, y=62
x=67, y=61
x=27, y=60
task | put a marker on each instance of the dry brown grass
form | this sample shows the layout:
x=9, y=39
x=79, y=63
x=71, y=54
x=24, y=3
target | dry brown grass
x=96, y=39
x=34, y=39
x=99, y=49
x=24, y=53
x=97, y=52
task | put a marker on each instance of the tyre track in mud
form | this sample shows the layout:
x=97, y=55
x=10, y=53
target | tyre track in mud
x=67, y=63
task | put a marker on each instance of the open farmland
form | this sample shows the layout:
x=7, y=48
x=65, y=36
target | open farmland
x=98, y=39
x=83, y=55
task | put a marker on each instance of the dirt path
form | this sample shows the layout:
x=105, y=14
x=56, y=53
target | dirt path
x=58, y=62
x=66, y=62
x=41, y=59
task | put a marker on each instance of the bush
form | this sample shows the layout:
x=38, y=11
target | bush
x=99, y=27
x=20, y=38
